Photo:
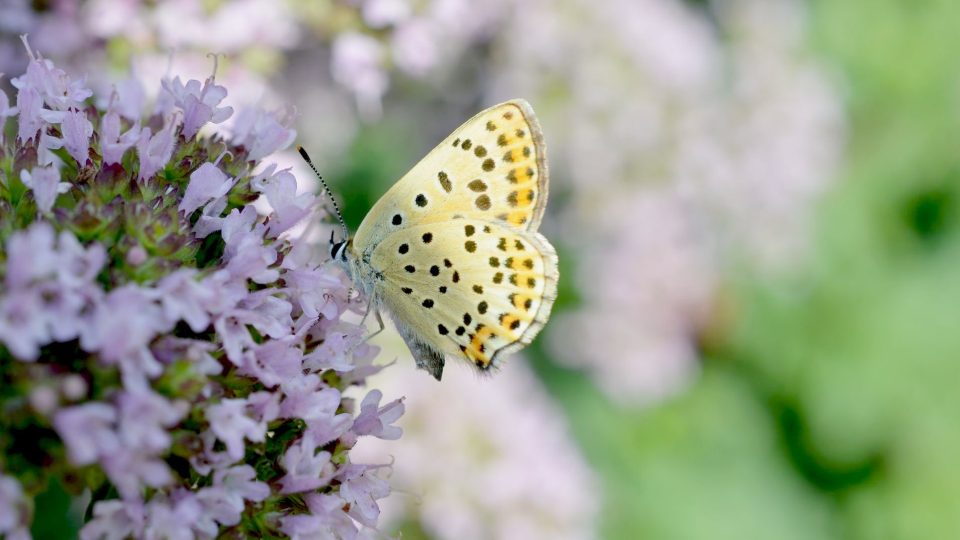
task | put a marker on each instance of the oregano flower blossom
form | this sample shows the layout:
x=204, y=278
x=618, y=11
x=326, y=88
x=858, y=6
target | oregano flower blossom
x=175, y=353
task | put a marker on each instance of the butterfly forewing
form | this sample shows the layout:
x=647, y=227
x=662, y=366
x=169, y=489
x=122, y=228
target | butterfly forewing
x=452, y=250
x=466, y=287
x=492, y=168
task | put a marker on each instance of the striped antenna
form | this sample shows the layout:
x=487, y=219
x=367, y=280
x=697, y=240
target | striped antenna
x=326, y=189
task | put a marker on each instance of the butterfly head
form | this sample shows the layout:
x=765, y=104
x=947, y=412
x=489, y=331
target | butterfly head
x=338, y=250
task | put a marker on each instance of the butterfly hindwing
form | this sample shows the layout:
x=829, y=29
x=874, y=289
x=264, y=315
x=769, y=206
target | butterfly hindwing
x=466, y=287
x=492, y=168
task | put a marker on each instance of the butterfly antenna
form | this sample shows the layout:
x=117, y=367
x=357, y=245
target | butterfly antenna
x=326, y=189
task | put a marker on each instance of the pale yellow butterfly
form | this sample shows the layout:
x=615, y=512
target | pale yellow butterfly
x=452, y=251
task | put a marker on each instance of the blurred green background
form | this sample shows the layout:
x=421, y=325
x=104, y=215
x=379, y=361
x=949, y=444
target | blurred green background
x=816, y=399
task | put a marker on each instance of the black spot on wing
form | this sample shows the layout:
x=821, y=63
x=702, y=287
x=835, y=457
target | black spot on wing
x=483, y=202
x=445, y=182
x=477, y=185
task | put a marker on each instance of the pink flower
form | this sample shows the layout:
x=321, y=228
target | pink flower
x=113, y=144
x=121, y=329
x=184, y=298
x=57, y=89
x=210, y=459
x=325, y=520
x=308, y=398
x=172, y=517
x=361, y=488
x=77, y=130
x=241, y=481
x=281, y=192
x=264, y=406
x=23, y=328
x=78, y=266
x=231, y=424
x=224, y=501
x=45, y=184
x=246, y=254
x=13, y=509
x=45, y=147
x=261, y=133
x=87, y=430
x=339, y=345
x=114, y=520
x=306, y=468
x=156, y=150
x=231, y=328
x=199, y=105
x=375, y=420
x=30, y=104
x=144, y=419
x=313, y=289
x=275, y=361
x=131, y=469
x=206, y=183
x=325, y=428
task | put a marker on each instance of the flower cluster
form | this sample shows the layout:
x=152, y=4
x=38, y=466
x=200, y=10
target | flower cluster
x=519, y=473
x=415, y=38
x=367, y=42
x=164, y=345
x=698, y=153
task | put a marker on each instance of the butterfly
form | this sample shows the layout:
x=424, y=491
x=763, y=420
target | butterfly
x=451, y=252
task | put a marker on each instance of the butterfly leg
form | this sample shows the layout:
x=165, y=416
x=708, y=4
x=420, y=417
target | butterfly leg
x=376, y=313
x=371, y=306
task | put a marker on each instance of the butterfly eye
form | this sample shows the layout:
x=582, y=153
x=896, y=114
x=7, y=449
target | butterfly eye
x=338, y=250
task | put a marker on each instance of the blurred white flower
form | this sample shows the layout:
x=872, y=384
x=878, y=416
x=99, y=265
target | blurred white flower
x=687, y=153
x=357, y=64
x=646, y=292
x=13, y=509
x=484, y=459
x=383, y=13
